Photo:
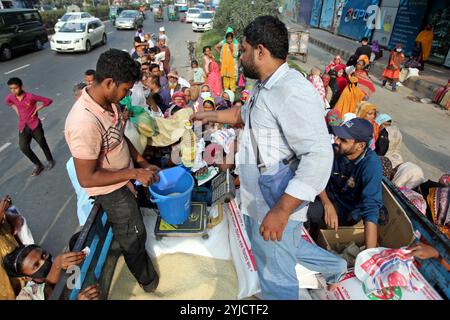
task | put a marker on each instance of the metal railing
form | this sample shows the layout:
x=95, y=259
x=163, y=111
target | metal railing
x=99, y=265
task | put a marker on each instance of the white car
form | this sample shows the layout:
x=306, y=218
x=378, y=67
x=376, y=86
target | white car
x=79, y=35
x=69, y=16
x=192, y=13
x=204, y=22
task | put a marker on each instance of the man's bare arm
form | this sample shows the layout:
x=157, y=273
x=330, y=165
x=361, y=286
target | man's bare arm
x=229, y=116
x=370, y=234
x=90, y=176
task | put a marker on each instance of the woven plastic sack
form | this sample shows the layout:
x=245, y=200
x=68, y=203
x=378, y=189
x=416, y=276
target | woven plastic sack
x=381, y=268
x=241, y=251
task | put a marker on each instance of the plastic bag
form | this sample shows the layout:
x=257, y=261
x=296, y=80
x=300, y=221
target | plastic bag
x=381, y=268
x=138, y=95
x=138, y=140
x=224, y=138
x=170, y=130
x=243, y=259
x=145, y=123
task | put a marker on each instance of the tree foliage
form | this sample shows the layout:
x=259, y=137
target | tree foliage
x=239, y=13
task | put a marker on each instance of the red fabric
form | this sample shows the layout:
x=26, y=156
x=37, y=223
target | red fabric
x=342, y=83
x=26, y=108
x=214, y=79
x=340, y=67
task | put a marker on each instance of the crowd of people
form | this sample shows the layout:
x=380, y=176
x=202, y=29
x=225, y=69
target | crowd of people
x=305, y=151
x=346, y=90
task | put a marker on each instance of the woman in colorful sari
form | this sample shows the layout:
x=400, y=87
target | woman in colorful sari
x=392, y=72
x=212, y=72
x=316, y=80
x=229, y=63
x=335, y=62
x=326, y=85
x=368, y=111
x=364, y=82
x=341, y=78
x=438, y=201
x=350, y=97
x=441, y=93
x=395, y=142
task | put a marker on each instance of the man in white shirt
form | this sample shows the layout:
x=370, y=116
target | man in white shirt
x=287, y=122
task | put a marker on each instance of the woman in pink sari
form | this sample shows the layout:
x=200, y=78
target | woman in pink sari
x=212, y=72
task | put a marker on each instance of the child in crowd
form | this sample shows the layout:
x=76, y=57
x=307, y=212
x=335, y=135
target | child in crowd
x=197, y=77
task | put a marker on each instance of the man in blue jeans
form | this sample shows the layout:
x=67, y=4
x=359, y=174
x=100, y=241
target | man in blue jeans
x=285, y=116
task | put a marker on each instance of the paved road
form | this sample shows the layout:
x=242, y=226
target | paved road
x=425, y=127
x=48, y=201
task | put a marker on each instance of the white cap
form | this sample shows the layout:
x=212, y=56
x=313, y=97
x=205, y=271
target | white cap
x=162, y=29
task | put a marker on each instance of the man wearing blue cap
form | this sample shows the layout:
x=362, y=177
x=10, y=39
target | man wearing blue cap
x=353, y=192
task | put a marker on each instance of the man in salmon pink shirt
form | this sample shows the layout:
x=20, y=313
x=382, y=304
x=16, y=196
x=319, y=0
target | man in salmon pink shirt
x=26, y=106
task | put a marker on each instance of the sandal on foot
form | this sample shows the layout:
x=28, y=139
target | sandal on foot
x=37, y=170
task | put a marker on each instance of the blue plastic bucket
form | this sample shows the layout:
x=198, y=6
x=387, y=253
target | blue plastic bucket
x=168, y=178
x=174, y=209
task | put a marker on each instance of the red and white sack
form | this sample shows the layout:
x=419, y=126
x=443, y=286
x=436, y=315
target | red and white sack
x=241, y=251
x=381, y=268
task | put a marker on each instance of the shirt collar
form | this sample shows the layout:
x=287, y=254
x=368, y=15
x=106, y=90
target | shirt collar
x=25, y=94
x=91, y=104
x=271, y=80
x=357, y=160
x=94, y=107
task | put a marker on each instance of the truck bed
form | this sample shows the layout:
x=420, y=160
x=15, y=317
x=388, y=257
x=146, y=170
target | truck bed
x=213, y=278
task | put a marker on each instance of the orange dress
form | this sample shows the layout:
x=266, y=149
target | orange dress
x=392, y=71
x=348, y=100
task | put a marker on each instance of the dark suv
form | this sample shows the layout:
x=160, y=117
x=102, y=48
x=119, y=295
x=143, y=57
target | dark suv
x=20, y=29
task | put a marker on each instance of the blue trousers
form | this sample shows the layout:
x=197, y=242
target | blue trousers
x=276, y=260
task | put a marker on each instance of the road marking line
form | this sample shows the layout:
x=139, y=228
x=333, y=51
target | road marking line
x=6, y=145
x=22, y=67
x=58, y=215
x=110, y=32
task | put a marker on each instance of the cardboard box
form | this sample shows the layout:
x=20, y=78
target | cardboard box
x=350, y=288
x=398, y=231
